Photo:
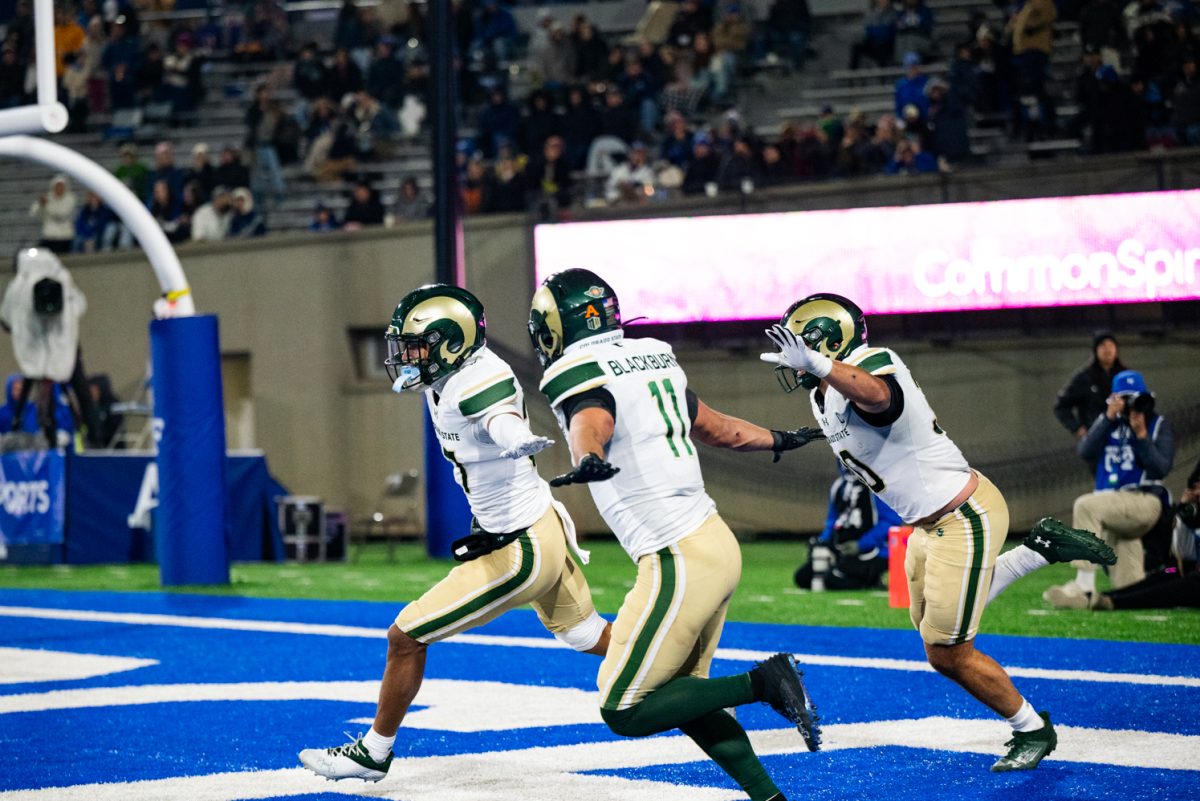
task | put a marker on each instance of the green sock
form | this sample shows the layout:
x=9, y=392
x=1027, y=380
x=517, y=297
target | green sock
x=677, y=702
x=726, y=743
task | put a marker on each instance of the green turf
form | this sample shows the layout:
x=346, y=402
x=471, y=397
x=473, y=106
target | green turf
x=766, y=593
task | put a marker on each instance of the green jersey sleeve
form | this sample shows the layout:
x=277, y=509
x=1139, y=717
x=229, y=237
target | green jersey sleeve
x=485, y=396
x=570, y=377
x=876, y=361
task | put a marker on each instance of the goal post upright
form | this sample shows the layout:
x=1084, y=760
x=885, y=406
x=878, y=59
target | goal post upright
x=189, y=419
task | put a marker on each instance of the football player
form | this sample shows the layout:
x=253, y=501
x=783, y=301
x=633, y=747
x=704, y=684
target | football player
x=880, y=426
x=630, y=418
x=519, y=549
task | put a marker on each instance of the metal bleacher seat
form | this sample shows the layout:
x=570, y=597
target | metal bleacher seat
x=124, y=124
x=884, y=75
x=875, y=105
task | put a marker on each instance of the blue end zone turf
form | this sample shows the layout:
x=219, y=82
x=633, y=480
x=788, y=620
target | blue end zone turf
x=110, y=689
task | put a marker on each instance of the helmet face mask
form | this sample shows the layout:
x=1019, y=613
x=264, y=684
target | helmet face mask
x=435, y=330
x=568, y=307
x=827, y=323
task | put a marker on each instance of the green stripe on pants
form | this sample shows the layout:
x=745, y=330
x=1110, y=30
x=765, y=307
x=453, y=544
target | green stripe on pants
x=658, y=613
x=975, y=571
x=524, y=568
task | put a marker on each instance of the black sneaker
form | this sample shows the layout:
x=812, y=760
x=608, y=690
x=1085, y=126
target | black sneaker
x=1027, y=748
x=1059, y=542
x=784, y=692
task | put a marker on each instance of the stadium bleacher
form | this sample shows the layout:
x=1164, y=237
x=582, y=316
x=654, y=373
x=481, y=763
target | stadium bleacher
x=771, y=94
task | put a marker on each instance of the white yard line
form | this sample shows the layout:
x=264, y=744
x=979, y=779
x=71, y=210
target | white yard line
x=24, y=665
x=736, y=654
x=554, y=770
x=446, y=704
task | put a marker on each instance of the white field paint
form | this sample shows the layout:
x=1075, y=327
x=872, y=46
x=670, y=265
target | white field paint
x=450, y=705
x=23, y=665
x=733, y=654
x=509, y=775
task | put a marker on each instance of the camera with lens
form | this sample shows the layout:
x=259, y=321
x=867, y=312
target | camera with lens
x=1142, y=403
x=1189, y=513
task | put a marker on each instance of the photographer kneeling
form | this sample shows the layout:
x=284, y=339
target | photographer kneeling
x=851, y=553
x=1135, y=449
x=1173, y=586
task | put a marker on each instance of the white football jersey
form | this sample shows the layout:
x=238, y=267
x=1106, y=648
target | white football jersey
x=911, y=464
x=505, y=494
x=658, y=497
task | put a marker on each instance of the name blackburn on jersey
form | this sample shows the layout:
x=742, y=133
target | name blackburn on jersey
x=637, y=364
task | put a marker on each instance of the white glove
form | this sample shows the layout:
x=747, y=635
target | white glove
x=526, y=447
x=796, y=354
x=512, y=433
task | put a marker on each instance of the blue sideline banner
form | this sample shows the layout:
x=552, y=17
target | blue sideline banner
x=114, y=497
x=32, y=497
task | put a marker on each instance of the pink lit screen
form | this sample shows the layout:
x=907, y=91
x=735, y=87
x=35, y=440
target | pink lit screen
x=1002, y=255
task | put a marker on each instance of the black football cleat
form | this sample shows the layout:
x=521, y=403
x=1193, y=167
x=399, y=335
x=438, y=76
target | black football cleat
x=784, y=692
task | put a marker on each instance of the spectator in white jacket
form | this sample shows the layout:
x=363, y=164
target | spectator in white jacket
x=211, y=221
x=56, y=211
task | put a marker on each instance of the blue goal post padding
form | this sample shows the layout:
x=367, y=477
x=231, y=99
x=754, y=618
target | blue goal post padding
x=189, y=426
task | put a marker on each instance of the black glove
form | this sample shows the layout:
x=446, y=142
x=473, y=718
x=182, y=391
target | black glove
x=797, y=438
x=591, y=468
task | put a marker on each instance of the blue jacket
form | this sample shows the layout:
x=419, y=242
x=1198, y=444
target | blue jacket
x=28, y=415
x=497, y=24
x=924, y=162
x=1126, y=462
x=91, y=222
x=63, y=418
x=912, y=90
x=856, y=514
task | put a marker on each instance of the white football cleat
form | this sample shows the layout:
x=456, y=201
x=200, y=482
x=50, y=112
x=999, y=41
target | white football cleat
x=349, y=761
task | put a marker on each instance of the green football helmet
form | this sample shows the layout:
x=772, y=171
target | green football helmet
x=568, y=307
x=828, y=323
x=436, y=328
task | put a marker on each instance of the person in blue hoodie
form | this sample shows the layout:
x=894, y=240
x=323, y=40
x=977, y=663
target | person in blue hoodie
x=856, y=531
x=495, y=33
x=13, y=389
x=910, y=90
x=1133, y=447
x=91, y=224
x=17, y=408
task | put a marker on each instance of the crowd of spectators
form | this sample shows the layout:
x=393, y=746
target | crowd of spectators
x=633, y=120
x=622, y=116
x=111, y=64
x=1135, y=88
x=606, y=119
x=108, y=60
x=204, y=201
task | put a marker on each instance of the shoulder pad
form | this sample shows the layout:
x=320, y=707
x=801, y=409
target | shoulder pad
x=570, y=376
x=876, y=361
x=493, y=388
